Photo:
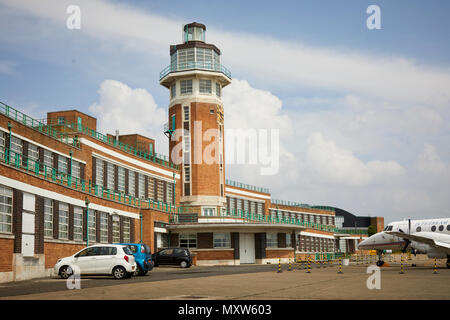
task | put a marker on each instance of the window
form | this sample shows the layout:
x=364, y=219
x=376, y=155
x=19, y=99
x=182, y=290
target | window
x=259, y=208
x=62, y=164
x=6, y=195
x=48, y=159
x=89, y=252
x=186, y=58
x=33, y=156
x=110, y=176
x=185, y=86
x=151, y=188
x=99, y=168
x=2, y=144
x=222, y=240
x=141, y=183
x=131, y=183
x=115, y=229
x=76, y=172
x=103, y=227
x=169, y=193
x=121, y=179
x=433, y=228
x=271, y=240
x=188, y=240
x=107, y=251
x=160, y=195
x=173, y=91
x=231, y=208
x=448, y=227
x=441, y=228
x=92, y=226
x=218, y=88
x=187, y=174
x=205, y=86
x=204, y=58
x=77, y=223
x=16, y=148
x=63, y=221
x=126, y=230
x=186, y=113
x=48, y=218
x=418, y=229
x=246, y=206
x=238, y=205
x=209, y=212
x=60, y=120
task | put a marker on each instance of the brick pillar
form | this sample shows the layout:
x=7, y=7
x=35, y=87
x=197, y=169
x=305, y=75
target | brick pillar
x=94, y=170
x=260, y=245
x=71, y=222
x=97, y=225
x=235, y=244
x=281, y=240
x=39, y=226
x=17, y=220
x=55, y=219
x=126, y=180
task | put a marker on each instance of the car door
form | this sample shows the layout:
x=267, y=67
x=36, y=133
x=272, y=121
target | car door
x=178, y=256
x=86, y=260
x=105, y=260
x=165, y=256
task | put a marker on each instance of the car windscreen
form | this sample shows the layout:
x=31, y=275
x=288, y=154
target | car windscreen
x=133, y=249
x=147, y=249
x=127, y=250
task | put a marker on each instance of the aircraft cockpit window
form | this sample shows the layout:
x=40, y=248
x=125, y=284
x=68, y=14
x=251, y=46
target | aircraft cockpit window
x=389, y=228
x=418, y=229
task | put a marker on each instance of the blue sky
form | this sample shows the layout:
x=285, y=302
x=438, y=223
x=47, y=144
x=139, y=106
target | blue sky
x=378, y=99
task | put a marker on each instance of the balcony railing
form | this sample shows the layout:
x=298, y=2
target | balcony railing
x=31, y=166
x=246, y=186
x=37, y=125
x=194, y=65
x=353, y=231
x=192, y=214
x=300, y=205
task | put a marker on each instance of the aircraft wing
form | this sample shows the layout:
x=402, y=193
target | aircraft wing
x=422, y=239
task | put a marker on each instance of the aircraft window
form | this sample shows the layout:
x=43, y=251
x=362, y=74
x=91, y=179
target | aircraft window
x=385, y=228
x=448, y=227
x=389, y=228
x=441, y=228
x=433, y=228
x=418, y=229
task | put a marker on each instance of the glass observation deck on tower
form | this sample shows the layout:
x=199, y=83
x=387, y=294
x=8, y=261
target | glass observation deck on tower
x=194, y=53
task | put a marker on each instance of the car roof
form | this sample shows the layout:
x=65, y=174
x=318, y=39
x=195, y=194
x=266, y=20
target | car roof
x=106, y=245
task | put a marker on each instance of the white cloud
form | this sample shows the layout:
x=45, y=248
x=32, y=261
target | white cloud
x=130, y=111
x=7, y=67
x=429, y=162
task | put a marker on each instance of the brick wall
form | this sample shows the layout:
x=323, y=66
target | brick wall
x=55, y=251
x=271, y=254
x=215, y=255
x=6, y=256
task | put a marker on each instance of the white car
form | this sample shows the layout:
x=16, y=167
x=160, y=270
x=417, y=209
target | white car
x=102, y=259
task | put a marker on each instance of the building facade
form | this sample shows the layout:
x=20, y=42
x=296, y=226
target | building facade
x=64, y=185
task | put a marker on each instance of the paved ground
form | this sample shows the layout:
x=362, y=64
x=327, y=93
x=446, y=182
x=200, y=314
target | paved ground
x=248, y=282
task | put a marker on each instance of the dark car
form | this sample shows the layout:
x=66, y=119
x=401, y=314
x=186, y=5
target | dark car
x=173, y=256
x=143, y=257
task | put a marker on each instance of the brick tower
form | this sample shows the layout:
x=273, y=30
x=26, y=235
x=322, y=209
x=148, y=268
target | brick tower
x=195, y=78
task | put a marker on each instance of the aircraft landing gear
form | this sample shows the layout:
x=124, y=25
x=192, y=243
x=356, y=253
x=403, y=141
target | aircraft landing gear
x=380, y=261
x=448, y=262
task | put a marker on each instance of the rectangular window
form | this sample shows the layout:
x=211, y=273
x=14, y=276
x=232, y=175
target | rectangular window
x=92, y=226
x=33, y=155
x=48, y=218
x=16, y=148
x=173, y=91
x=187, y=174
x=60, y=120
x=186, y=113
x=239, y=205
x=126, y=230
x=131, y=183
x=246, y=206
x=151, y=188
x=77, y=223
x=259, y=209
x=209, y=212
x=252, y=207
x=232, y=208
x=141, y=183
x=121, y=179
x=205, y=86
x=218, y=88
x=63, y=220
x=222, y=240
x=99, y=168
x=62, y=164
x=76, y=172
x=186, y=58
x=115, y=229
x=110, y=176
x=186, y=86
x=160, y=195
x=103, y=227
x=6, y=200
x=48, y=160
x=188, y=240
x=169, y=192
x=288, y=240
x=271, y=240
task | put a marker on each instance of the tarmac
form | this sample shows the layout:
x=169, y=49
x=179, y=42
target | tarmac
x=322, y=283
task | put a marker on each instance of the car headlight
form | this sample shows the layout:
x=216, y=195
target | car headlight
x=58, y=261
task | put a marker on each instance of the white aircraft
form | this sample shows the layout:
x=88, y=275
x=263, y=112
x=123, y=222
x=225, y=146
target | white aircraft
x=430, y=236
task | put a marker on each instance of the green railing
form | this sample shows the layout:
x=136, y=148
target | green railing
x=37, y=125
x=194, y=65
x=246, y=186
x=31, y=166
x=192, y=214
x=299, y=205
x=111, y=141
x=353, y=231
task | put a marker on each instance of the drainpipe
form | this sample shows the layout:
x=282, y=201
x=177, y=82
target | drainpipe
x=140, y=217
x=87, y=222
x=71, y=153
x=9, y=143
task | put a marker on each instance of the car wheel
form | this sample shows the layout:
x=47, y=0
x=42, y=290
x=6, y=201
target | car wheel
x=145, y=272
x=119, y=272
x=138, y=271
x=65, y=272
x=183, y=264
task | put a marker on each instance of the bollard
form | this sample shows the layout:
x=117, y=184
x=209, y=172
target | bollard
x=340, y=265
x=289, y=269
x=279, y=265
x=435, y=268
x=309, y=265
x=401, y=265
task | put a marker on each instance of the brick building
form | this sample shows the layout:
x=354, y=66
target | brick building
x=64, y=185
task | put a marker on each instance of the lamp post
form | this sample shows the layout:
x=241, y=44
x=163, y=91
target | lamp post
x=87, y=221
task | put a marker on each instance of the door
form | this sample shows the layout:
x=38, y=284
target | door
x=86, y=260
x=28, y=234
x=165, y=256
x=247, y=247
